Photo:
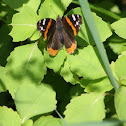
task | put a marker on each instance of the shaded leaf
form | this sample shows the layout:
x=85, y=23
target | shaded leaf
x=54, y=62
x=33, y=100
x=66, y=73
x=119, y=68
x=6, y=46
x=86, y=64
x=2, y=79
x=120, y=101
x=18, y=5
x=99, y=85
x=25, y=66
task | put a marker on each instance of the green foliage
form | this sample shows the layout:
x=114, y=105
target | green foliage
x=6, y=46
x=91, y=110
x=18, y=5
x=48, y=121
x=2, y=79
x=27, y=67
x=20, y=25
x=119, y=68
x=120, y=101
x=120, y=29
x=99, y=85
x=9, y=117
x=43, y=100
x=78, y=88
x=78, y=64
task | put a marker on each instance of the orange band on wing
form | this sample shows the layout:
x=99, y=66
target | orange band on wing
x=70, y=23
x=72, y=48
x=52, y=52
x=48, y=26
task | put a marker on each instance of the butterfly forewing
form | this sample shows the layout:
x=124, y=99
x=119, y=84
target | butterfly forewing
x=72, y=23
x=46, y=27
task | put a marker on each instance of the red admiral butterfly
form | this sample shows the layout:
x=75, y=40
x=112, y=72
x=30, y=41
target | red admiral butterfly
x=59, y=31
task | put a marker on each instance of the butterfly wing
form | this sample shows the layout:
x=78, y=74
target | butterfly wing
x=47, y=28
x=71, y=26
x=54, y=44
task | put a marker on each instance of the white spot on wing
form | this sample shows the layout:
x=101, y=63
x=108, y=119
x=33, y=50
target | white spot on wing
x=42, y=29
x=77, y=23
x=73, y=17
x=78, y=16
x=40, y=22
x=44, y=20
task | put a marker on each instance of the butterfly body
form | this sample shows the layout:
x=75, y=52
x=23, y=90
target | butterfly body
x=59, y=29
x=59, y=32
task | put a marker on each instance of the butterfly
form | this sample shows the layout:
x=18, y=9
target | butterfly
x=60, y=31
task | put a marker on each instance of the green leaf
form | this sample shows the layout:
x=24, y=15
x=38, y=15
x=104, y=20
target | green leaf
x=66, y=73
x=33, y=100
x=18, y=5
x=120, y=102
x=86, y=63
x=25, y=66
x=53, y=8
x=2, y=79
x=117, y=44
x=105, y=123
x=24, y=24
x=118, y=47
x=9, y=117
x=36, y=35
x=28, y=123
x=84, y=108
x=99, y=85
x=120, y=27
x=96, y=36
x=85, y=32
x=6, y=46
x=48, y=121
x=54, y=62
x=120, y=68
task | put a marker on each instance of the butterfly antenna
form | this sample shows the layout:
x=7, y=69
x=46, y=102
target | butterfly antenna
x=53, y=10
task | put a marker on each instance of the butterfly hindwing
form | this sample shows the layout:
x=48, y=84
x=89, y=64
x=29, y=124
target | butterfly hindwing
x=54, y=44
x=69, y=42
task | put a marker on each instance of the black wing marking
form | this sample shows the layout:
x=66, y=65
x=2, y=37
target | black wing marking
x=46, y=26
